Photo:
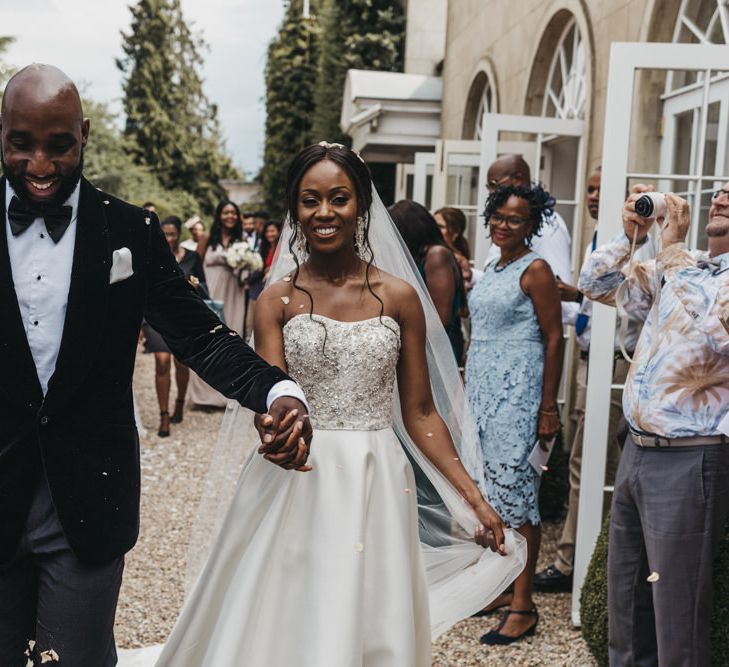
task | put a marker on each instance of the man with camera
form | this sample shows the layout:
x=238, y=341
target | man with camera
x=671, y=498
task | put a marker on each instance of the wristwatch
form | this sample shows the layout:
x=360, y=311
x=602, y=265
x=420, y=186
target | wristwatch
x=579, y=296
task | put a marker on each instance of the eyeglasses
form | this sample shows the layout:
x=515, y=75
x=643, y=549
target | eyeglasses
x=512, y=221
x=719, y=193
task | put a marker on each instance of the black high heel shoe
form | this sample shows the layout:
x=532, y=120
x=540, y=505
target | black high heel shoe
x=177, y=414
x=163, y=433
x=495, y=638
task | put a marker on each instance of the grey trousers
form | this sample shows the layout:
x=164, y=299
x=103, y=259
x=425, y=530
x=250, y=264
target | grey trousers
x=669, y=511
x=48, y=595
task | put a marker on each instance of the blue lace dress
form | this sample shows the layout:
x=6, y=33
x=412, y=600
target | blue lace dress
x=504, y=375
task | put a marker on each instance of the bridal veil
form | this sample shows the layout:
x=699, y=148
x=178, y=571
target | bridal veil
x=462, y=577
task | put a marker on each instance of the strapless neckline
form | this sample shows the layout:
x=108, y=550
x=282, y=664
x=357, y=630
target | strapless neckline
x=331, y=319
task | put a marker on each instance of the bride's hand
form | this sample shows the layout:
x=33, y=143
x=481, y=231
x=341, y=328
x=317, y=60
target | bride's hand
x=490, y=534
x=285, y=436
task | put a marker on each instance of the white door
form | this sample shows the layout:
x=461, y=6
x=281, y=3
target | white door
x=554, y=150
x=423, y=178
x=692, y=159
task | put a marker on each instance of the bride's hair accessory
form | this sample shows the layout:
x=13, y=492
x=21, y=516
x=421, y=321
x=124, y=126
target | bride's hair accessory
x=328, y=146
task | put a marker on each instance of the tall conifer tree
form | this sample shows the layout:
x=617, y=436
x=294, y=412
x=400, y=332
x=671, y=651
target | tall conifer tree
x=291, y=75
x=171, y=125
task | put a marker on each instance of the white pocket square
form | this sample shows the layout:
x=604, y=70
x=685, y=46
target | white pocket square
x=121, y=265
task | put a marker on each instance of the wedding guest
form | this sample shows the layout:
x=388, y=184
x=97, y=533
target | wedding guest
x=671, y=500
x=250, y=229
x=557, y=577
x=437, y=265
x=149, y=206
x=269, y=243
x=553, y=243
x=197, y=229
x=452, y=225
x=223, y=285
x=254, y=283
x=191, y=266
x=512, y=378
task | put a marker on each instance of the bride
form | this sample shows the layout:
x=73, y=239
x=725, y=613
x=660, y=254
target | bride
x=335, y=564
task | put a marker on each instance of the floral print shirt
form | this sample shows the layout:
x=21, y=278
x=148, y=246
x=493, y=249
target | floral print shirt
x=683, y=389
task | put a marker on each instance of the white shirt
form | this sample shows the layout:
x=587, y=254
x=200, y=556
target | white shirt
x=41, y=271
x=554, y=247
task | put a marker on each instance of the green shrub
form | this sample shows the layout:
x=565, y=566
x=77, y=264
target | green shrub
x=594, y=610
x=555, y=486
x=593, y=600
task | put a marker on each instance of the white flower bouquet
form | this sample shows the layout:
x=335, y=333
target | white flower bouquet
x=243, y=259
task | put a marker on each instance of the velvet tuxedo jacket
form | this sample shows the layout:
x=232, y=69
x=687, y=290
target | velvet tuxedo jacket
x=82, y=434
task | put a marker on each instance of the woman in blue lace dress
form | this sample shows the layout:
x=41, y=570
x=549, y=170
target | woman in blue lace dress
x=512, y=377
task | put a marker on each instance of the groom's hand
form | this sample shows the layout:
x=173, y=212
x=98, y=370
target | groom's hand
x=286, y=434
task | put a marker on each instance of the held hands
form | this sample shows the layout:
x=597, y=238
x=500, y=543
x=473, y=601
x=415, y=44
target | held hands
x=285, y=434
x=490, y=534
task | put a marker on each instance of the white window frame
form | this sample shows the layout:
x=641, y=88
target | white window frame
x=625, y=60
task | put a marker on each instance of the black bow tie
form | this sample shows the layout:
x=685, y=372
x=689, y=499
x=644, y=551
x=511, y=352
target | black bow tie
x=21, y=217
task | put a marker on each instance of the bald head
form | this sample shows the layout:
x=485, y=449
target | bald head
x=508, y=170
x=41, y=85
x=43, y=132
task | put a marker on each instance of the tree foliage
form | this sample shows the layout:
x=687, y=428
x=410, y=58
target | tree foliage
x=305, y=72
x=290, y=79
x=6, y=70
x=171, y=126
x=109, y=164
x=353, y=34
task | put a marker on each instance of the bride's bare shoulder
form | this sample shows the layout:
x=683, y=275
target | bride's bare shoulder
x=396, y=290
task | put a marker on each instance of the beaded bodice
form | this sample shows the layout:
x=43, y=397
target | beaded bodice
x=349, y=378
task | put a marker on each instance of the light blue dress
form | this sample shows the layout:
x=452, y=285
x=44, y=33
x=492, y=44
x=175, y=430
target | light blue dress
x=504, y=375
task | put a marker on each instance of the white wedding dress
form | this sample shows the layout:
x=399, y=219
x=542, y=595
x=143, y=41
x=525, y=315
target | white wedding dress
x=326, y=568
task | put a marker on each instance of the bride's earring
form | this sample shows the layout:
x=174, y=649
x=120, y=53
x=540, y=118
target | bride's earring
x=359, y=237
x=301, y=247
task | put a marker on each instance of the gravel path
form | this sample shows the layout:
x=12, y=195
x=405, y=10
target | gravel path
x=172, y=473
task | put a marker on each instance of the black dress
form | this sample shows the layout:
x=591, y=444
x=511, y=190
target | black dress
x=191, y=265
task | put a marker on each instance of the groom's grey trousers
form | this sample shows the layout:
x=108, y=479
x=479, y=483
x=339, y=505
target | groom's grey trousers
x=669, y=512
x=47, y=594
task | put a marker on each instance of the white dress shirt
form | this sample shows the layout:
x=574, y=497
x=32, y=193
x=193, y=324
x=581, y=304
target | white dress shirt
x=41, y=272
x=42, y=276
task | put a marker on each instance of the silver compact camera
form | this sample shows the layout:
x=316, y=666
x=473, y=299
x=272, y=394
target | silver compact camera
x=651, y=205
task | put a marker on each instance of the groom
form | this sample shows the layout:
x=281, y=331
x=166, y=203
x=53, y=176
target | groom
x=78, y=270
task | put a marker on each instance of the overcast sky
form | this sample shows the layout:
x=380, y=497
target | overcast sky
x=82, y=37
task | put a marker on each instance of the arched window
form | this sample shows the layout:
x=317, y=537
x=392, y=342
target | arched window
x=481, y=98
x=565, y=94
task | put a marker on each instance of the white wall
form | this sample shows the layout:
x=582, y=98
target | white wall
x=425, y=36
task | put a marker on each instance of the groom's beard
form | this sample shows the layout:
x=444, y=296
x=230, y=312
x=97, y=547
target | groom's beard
x=68, y=185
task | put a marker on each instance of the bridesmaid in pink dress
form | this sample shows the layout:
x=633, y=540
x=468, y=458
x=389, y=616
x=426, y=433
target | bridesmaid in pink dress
x=223, y=285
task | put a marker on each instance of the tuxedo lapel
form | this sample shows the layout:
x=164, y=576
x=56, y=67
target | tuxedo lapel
x=18, y=377
x=87, y=298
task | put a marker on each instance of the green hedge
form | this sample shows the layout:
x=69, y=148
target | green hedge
x=555, y=485
x=594, y=612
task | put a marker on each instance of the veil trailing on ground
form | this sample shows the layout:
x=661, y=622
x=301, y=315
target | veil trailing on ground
x=462, y=576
